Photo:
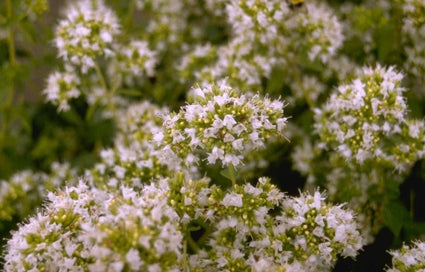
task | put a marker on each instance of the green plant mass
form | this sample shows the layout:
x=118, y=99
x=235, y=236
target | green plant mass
x=213, y=135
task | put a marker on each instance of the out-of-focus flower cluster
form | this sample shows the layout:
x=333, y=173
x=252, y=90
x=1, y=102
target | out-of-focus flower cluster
x=265, y=35
x=413, y=35
x=87, y=37
x=25, y=190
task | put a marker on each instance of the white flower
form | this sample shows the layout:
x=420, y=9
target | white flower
x=232, y=199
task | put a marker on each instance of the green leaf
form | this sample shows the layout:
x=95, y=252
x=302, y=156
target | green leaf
x=225, y=173
x=414, y=230
x=395, y=216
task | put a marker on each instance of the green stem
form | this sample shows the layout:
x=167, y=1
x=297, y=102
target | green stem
x=205, y=235
x=129, y=21
x=298, y=79
x=11, y=38
x=412, y=203
x=193, y=245
x=185, y=257
x=12, y=61
x=232, y=174
x=110, y=92
x=101, y=77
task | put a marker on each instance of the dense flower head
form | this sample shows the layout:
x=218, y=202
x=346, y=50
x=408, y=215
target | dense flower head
x=86, y=33
x=305, y=234
x=221, y=123
x=240, y=219
x=408, y=258
x=317, y=232
x=62, y=87
x=87, y=229
x=367, y=120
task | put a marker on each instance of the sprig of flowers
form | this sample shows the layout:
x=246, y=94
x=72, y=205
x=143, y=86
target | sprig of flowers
x=307, y=234
x=408, y=258
x=62, y=87
x=86, y=33
x=366, y=121
x=87, y=229
x=134, y=159
x=221, y=123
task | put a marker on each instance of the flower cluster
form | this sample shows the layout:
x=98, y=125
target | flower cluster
x=61, y=87
x=169, y=26
x=408, y=258
x=222, y=123
x=263, y=32
x=87, y=229
x=306, y=235
x=97, y=64
x=134, y=60
x=366, y=121
x=316, y=232
x=365, y=134
x=86, y=33
x=134, y=159
x=83, y=228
